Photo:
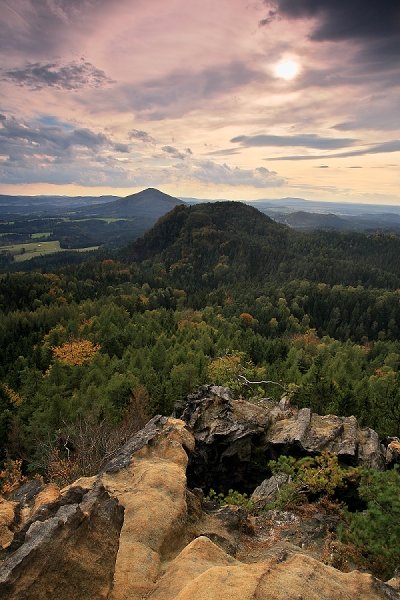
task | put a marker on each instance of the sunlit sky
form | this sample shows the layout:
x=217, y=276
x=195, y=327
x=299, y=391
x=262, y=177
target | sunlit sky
x=205, y=98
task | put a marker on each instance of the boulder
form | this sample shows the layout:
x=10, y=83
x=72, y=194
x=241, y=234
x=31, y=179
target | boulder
x=268, y=490
x=235, y=439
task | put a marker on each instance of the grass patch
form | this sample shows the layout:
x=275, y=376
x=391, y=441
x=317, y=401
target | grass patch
x=44, y=234
x=22, y=252
x=104, y=219
x=85, y=249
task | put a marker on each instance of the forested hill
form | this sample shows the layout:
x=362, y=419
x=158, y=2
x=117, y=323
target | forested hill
x=209, y=245
x=217, y=242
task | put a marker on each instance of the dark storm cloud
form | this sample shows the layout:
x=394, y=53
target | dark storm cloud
x=376, y=25
x=71, y=76
x=343, y=19
x=307, y=140
x=383, y=148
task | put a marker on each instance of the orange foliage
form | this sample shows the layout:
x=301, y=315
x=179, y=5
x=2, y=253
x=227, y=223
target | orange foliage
x=61, y=470
x=310, y=338
x=246, y=318
x=11, y=476
x=75, y=352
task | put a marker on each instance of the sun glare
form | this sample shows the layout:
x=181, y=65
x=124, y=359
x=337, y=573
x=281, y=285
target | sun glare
x=287, y=69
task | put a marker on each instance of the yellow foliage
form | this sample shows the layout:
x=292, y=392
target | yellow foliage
x=13, y=395
x=75, y=352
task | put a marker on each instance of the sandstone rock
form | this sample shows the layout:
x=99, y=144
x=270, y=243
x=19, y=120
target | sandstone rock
x=394, y=583
x=50, y=493
x=8, y=518
x=152, y=491
x=106, y=539
x=69, y=555
x=235, y=439
x=135, y=531
x=202, y=572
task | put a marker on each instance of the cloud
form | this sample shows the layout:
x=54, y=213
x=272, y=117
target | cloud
x=343, y=19
x=43, y=27
x=142, y=136
x=60, y=154
x=173, y=152
x=374, y=25
x=53, y=139
x=211, y=172
x=383, y=148
x=224, y=152
x=71, y=76
x=306, y=140
x=180, y=92
x=56, y=154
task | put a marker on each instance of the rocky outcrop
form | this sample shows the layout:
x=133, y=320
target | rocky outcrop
x=136, y=531
x=235, y=439
x=202, y=571
x=268, y=490
x=104, y=536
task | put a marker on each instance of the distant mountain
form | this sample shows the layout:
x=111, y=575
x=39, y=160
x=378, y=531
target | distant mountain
x=149, y=203
x=307, y=221
x=289, y=205
x=47, y=205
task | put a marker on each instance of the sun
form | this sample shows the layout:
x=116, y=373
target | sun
x=287, y=69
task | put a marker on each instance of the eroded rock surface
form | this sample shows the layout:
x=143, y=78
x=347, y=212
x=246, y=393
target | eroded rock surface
x=235, y=439
x=136, y=531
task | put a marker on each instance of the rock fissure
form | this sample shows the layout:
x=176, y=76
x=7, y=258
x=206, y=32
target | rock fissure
x=138, y=531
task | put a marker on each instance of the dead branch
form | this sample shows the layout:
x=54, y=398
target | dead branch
x=247, y=382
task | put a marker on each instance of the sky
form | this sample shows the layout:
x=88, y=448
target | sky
x=215, y=99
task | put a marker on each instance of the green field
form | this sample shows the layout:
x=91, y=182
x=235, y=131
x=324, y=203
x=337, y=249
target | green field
x=23, y=252
x=44, y=234
x=104, y=219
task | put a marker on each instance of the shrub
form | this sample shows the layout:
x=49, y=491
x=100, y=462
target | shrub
x=376, y=531
x=311, y=476
x=233, y=498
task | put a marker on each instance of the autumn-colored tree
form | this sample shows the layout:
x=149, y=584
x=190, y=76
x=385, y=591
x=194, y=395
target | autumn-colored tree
x=247, y=319
x=75, y=352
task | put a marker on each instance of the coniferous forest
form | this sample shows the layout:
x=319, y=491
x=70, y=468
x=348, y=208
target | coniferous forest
x=211, y=292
